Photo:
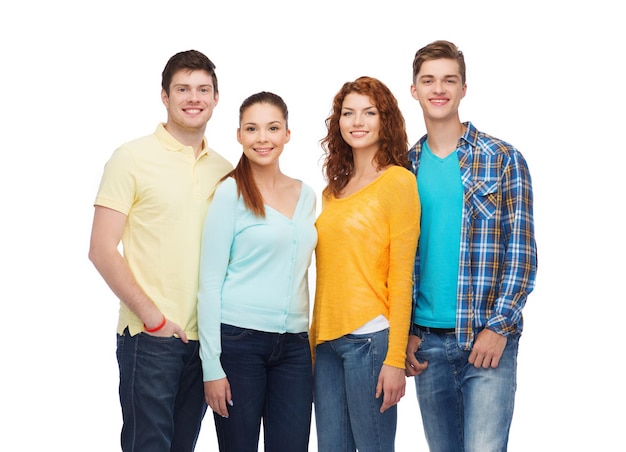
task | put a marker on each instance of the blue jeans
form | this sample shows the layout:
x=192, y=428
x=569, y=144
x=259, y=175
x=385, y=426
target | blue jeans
x=270, y=377
x=464, y=409
x=161, y=393
x=347, y=412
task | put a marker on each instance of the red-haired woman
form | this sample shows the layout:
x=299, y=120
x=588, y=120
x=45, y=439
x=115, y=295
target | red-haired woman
x=367, y=236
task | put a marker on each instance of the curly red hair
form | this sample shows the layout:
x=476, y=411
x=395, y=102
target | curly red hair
x=394, y=144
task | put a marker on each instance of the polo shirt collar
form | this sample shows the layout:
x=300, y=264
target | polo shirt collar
x=172, y=144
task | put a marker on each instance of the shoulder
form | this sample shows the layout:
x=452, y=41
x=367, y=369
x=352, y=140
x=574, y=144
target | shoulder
x=226, y=191
x=133, y=155
x=144, y=143
x=308, y=196
x=488, y=144
x=213, y=155
x=307, y=190
x=396, y=185
x=228, y=185
x=400, y=175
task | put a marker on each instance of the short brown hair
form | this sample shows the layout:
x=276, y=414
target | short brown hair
x=190, y=60
x=435, y=51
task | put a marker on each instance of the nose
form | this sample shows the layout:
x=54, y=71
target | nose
x=439, y=86
x=193, y=95
x=359, y=119
x=261, y=136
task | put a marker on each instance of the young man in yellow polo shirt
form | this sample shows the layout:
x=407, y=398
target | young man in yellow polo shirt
x=153, y=197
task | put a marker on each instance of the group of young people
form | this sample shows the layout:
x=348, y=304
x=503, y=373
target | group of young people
x=424, y=260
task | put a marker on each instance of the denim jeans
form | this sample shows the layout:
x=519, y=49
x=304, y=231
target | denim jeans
x=270, y=377
x=161, y=393
x=347, y=412
x=464, y=409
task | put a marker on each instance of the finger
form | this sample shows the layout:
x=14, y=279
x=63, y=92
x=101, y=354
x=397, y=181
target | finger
x=411, y=360
x=389, y=400
x=379, y=388
x=229, y=397
x=219, y=407
x=182, y=335
x=495, y=361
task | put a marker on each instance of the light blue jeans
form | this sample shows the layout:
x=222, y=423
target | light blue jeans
x=464, y=409
x=347, y=412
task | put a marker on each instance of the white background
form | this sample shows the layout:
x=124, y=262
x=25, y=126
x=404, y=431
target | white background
x=80, y=78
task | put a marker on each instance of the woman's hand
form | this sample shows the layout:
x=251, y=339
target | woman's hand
x=217, y=395
x=391, y=385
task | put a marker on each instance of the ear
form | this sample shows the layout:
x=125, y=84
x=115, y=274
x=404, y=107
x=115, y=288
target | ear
x=464, y=92
x=216, y=98
x=165, y=99
x=287, y=135
x=239, y=135
x=414, y=91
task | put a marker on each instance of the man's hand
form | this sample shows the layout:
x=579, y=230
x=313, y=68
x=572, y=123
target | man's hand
x=412, y=366
x=487, y=350
x=170, y=329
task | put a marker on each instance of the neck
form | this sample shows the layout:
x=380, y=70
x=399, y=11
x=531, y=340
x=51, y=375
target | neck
x=364, y=164
x=443, y=136
x=267, y=176
x=193, y=138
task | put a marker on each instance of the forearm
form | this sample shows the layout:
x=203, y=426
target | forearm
x=120, y=279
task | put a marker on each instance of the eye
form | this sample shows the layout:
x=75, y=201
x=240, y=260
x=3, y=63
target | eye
x=274, y=128
x=346, y=113
x=250, y=129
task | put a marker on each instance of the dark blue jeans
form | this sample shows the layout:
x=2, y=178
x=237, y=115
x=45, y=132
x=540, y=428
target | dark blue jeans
x=161, y=393
x=270, y=376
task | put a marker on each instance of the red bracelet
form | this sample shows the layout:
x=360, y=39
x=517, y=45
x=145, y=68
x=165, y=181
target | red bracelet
x=156, y=328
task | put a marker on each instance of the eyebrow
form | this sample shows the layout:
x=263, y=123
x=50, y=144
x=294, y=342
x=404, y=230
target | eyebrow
x=186, y=85
x=255, y=124
x=352, y=109
x=445, y=76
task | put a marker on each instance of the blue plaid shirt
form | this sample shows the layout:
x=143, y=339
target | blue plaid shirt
x=498, y=256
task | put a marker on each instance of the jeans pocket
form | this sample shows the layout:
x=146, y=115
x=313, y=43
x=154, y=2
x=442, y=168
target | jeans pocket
x=304, y=337
x=233, y=333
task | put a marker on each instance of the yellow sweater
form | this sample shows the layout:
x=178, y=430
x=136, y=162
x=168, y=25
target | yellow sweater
x=364, y=260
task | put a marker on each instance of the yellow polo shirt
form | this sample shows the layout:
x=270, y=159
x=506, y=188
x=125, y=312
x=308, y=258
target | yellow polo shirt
x=165, y=192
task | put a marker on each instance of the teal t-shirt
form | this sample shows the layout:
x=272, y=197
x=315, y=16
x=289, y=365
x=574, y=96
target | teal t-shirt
x=441, y=198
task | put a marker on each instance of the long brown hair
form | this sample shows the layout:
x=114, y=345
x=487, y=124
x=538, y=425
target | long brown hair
x=394, y=144
x=246, y=186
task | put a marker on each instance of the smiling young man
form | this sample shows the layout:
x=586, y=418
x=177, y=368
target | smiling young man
x=153, y=197
x=475, y=265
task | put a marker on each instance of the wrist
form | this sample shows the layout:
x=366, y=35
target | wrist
x=156, y=328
